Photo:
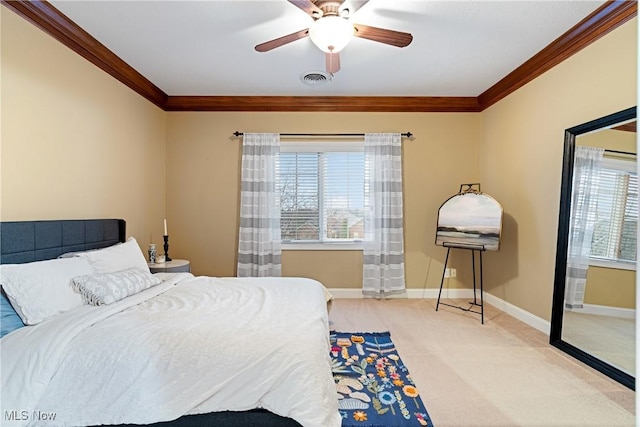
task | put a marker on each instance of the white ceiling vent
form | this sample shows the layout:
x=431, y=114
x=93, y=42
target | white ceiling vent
x=315, y=78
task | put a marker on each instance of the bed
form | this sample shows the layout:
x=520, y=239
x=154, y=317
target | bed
x=108, y=343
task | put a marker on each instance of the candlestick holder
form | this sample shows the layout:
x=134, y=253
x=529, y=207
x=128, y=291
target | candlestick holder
x=166, y=248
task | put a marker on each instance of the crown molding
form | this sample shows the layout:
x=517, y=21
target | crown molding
x=49, y=19
x=603, y=20
x=627, y=127
x=323, y=103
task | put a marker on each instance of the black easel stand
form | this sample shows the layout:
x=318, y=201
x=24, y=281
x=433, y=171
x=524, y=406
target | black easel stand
x=473, y=303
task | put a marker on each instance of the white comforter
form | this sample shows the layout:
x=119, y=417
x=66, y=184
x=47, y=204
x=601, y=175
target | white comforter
x=189, y=345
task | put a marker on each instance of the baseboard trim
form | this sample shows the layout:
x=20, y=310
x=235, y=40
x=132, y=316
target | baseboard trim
x=601, y=310
x=530, y=319
x=349, y=293
x=431, y=293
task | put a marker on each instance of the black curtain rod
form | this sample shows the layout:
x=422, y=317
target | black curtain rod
x=406, y=134
x=620, y=152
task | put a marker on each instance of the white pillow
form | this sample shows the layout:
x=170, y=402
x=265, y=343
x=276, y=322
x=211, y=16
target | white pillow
x=107, y=288
x=42, y=289
x=117, y=257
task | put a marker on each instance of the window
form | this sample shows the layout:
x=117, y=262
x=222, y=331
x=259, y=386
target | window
x=616, y=215
x=321, y=194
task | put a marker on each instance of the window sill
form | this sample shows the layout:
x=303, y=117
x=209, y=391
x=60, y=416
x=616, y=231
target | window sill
x=322, y=246
x=612, y=264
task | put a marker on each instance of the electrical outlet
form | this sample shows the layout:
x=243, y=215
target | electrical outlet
x=453, y=272
x=447, y=273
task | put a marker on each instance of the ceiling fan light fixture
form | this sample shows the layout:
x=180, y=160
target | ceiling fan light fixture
x=331, y=33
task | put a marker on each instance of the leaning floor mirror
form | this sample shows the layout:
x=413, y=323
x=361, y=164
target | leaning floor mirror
x=593, y=314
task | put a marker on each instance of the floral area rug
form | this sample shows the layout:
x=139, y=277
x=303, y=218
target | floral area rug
x=374, y=386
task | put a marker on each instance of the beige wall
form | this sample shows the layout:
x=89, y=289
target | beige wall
x=609, y=139
x=610, y=287
x=202, y=186
x=521, y=159
x=76, y=143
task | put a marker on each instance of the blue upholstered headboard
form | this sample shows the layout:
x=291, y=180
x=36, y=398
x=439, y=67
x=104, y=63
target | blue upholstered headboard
x=28, y=241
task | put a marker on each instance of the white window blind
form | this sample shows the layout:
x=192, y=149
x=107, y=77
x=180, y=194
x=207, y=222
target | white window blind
x=616, y=216
x=321, y=192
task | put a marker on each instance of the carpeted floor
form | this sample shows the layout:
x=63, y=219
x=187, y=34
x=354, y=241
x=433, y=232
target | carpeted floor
x=611, y=339
x=502, y=373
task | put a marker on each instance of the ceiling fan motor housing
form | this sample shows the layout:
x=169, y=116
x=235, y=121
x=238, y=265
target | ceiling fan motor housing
x=328, y=7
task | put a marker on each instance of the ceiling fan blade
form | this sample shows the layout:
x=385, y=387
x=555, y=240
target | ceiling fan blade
x=332, y=61
x=391, y=37
x=352, y=6
x=280, y=41
x=308, y=7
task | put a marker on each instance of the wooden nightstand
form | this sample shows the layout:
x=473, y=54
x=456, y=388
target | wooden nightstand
x=173, y=266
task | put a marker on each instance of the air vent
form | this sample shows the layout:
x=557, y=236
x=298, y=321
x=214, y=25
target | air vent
x=315, y=78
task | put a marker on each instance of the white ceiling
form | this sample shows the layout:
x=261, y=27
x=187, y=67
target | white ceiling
x=459, y=48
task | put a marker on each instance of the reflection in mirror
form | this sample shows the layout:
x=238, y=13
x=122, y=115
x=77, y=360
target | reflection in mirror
x=593, y=315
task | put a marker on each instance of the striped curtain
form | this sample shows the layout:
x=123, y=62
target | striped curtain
x=259, y=235
x=584, y=196
x=383, y=251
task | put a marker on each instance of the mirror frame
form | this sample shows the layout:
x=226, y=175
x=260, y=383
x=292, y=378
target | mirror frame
x=557, y=310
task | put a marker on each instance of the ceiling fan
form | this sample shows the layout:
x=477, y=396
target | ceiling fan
x=331, y=29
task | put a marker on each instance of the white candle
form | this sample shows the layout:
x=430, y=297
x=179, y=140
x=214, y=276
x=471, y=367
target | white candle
x=165, y=228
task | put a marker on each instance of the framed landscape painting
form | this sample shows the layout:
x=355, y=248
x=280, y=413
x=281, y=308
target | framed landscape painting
x=470, y=220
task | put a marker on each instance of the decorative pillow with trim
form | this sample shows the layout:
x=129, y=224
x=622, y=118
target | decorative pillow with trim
x=107, y=288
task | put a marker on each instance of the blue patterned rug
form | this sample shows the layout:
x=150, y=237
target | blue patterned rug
x=374, y=387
